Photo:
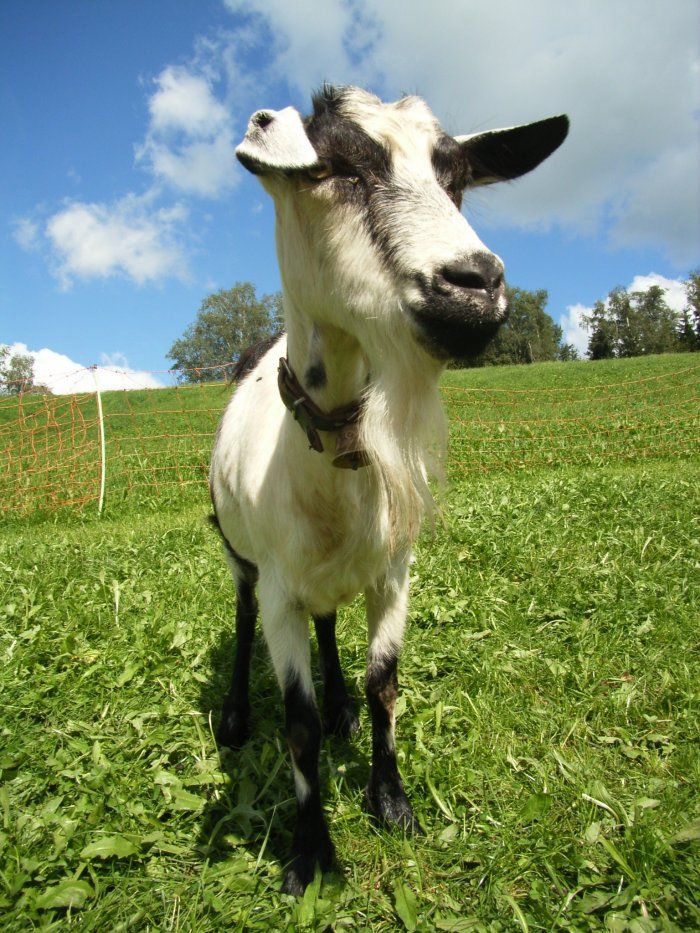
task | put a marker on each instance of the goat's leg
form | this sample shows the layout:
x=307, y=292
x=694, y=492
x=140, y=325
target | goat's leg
x=234, y=723
x=339, y=710
x=286, y=631
x=386, y=618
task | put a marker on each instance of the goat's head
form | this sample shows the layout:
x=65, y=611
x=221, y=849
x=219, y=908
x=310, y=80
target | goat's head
x=369, y=229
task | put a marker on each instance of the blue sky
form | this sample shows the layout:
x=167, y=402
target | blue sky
x=122, y=205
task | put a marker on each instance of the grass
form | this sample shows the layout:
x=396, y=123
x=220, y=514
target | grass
x=548, y=720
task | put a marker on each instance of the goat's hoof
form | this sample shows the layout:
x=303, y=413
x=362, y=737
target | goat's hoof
x=391, y=806
x=341, y=720
x=303, y=867
x=233, y=731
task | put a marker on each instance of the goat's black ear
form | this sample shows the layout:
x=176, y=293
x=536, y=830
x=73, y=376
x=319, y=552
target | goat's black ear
x=276, y=141
x=499, y=155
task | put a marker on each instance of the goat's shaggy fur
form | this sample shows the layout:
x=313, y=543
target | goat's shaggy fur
x=383, y=280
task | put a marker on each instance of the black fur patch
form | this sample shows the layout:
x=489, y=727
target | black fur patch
x=451, y=169
x=312, y=843
x=235, y=712
x=251, y=356
x=385, y=795
x=339, y=711
x=316, y=377
x=510, y=154
x=450, y=331
x=350, y=151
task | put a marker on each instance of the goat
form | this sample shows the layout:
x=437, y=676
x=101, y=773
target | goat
x=319, y=474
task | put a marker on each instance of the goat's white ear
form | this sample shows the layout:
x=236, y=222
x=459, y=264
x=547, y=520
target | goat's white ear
x=276, y=141
x=499, y=155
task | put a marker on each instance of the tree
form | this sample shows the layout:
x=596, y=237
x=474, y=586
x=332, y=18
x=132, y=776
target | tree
x=567, y=352
x=601, y=343
x=630, y=324
x=17, y=373
x=529, y=335
x=642, y=322
x=687, y=338
x=228, y=322
x=691, y=312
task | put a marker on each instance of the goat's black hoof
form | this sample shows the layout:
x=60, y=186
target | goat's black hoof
x=390, y=806
x=233, y=731
x=303, y=866
x=341, y=719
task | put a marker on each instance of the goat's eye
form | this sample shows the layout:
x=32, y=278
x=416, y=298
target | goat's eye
x=320, y=171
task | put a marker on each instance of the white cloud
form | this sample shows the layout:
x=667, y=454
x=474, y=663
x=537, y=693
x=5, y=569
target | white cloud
x=26, y=233
x=311, y=42
x=189, y=146
x=575, y=331
x=184, y=101
x=676, y=297
x=189, y=143
x=63, y=376
x=571, y=321
x=664, y=195
x=128, y=237
x=627, y=75
x=204, y=167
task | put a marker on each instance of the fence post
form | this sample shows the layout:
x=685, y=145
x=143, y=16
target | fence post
x=103, y=459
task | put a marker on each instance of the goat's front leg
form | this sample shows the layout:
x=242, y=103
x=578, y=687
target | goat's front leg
x=235, y=712
x=386, y=617
x=286, y=631
x=339, y=711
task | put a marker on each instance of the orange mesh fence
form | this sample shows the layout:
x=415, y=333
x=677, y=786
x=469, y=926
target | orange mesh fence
x=158, y=441
x=652, y=417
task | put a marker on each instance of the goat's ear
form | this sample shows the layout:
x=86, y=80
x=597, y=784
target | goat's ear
x=276, y=141
x=499, y=155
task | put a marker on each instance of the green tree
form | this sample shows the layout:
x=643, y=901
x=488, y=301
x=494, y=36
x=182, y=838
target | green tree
x=567, y=352
x=602, y=342
x=630, y=324
x=687, y=337
x=692, y=307
x=656, y=322
x=17, y=373
x=227, y=322
x=529, y=335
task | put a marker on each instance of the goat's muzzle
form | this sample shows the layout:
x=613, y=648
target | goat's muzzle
x=461, y=307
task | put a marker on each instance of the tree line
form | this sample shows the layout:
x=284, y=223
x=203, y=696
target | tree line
x=627, y=323
x=641, y=322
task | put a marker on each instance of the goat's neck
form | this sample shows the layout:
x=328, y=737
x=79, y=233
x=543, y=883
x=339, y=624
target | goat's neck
x=402, y=430
x=328, y=362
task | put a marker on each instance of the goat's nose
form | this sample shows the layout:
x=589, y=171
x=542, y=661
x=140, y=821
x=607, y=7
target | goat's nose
x=262, y=118
x=479, y=271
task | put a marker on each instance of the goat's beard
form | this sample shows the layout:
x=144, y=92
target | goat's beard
x=404, y=434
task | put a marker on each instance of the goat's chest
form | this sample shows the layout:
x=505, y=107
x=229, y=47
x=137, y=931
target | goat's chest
x=340, y=544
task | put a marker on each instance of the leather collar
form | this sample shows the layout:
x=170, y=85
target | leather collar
x=312, y=419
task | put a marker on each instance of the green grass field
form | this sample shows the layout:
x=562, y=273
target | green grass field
x=548, y=720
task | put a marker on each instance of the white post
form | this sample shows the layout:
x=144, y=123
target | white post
x=102, y=440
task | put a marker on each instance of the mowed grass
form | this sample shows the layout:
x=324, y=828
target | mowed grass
x=548, y=718
x=548, y=725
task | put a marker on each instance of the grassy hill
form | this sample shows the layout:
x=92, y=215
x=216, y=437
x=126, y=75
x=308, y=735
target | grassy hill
x=548, y=714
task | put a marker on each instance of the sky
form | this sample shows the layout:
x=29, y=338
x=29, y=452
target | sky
x=122, y=205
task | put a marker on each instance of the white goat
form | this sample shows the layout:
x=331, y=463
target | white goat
x=383, y=281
